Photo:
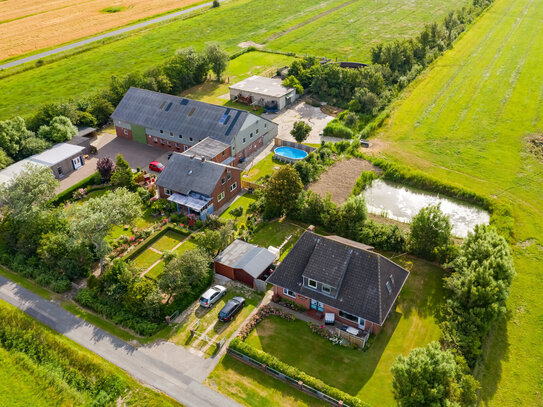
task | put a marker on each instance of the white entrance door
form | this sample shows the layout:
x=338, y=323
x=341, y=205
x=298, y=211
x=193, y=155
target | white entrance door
x=77, y=162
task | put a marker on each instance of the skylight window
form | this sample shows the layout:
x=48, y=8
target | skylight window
x=389, y=287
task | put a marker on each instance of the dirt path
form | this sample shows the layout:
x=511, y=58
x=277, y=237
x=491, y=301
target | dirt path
x=340, y=178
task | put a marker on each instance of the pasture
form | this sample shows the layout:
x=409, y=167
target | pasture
x=29, y=25
x=232, y=23
x=466, y=121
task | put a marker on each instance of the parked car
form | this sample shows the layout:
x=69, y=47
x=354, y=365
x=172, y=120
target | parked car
x=212, y=295
x=231, y=308
x=156, y=166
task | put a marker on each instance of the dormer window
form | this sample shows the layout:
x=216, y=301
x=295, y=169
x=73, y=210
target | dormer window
x=311, y=283
x=326, y=289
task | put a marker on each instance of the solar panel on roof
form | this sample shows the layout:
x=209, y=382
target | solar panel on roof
x=236, y=117
x=169, y=106
x=184, y=102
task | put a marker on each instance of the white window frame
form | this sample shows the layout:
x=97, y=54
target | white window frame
x=233, y=186
x=243, y=140
x=289, y=293
x=125, y=131
x=309, y=281
x=220, y=197
x=326, y=287
x=167, y=191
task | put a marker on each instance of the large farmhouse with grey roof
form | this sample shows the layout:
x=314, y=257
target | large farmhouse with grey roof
x=332, y=276
x=197, y=185
x=177, y=124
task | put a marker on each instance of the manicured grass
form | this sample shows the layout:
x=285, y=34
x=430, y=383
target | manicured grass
x=243, y=201
x=146, y=259
x=274, y=233
x=156, y=271
x=25, y=381
x=168, y=241
x=26, y=283
x=248, y=64
x=465, y=122
x=365, y=374
x=252, y=387
x=209, y=318
x=188, y=245
x=262, y=169
x=346, y=33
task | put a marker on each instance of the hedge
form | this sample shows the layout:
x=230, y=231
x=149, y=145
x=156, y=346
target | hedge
x=335, y=129
x=67, y=194
x=297, y=374
x=149, y=241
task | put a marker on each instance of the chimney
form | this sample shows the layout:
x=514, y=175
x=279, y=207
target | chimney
x=192, y=157
x=311, y=228
x=203, y=159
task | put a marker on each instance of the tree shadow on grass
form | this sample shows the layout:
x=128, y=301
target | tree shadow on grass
x=489, y=369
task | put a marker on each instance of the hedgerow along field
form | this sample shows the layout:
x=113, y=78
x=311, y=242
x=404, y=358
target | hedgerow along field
x=41, y=368
x=231, y=23
x=466, y=121
x=29, y=25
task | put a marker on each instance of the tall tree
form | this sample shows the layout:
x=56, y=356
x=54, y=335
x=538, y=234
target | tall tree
x=12, y=135
x=122, y=176
x=92, y=220
x=352, y=215
x=282, y=191
x=430, y=230
x=29, y=191
x=478, y=289
x=432, y=377
x=105, y=167
x=217, y=57
x=60, y=129
x=183, y=273
x=300, y=131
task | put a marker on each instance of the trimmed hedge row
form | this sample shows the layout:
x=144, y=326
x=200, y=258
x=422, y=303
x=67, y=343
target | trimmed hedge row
x=67, y=194
x=144, y=245
x=271, y=361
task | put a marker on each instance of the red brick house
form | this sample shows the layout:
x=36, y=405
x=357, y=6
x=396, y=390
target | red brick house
x=197, y=185
x=338, y=276
x=244, y=262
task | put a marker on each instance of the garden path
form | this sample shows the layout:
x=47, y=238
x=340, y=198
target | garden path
x=159, y=252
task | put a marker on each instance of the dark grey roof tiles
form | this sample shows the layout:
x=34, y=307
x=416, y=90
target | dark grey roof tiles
x=178, y=115
x=328, y=262
x=184, y=174
x=363, y=291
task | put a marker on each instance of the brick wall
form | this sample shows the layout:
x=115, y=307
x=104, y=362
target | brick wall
x=220, y=187
x=124, y=133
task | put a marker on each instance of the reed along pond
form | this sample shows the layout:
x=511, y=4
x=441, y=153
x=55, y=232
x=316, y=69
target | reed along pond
x=402, y=203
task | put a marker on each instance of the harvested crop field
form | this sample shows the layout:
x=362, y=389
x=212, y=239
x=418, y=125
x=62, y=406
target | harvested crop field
x=29, y=25
x=340, y=178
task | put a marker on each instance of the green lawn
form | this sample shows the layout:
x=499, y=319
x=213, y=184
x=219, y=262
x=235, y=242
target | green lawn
x=27, y=381
x=252, y=387
x=243, y=201
x=466, y=121
x=345, y=33
x=274, y=233
x=365, y=374
x=146, y=259
x=262, y=169
x=188, y=245
x=168, y=241
x=248, y=64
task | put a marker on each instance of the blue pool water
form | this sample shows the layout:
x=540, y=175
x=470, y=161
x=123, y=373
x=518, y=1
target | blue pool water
x=290, y=152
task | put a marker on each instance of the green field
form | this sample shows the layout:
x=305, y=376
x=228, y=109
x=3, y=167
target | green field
x=50, y=370
x=466, y=122
x=231, y=24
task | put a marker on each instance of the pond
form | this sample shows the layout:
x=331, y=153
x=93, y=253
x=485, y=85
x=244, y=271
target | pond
x=401, y=203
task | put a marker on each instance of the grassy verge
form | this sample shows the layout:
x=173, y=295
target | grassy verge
x=28, y=284
x=252, y=387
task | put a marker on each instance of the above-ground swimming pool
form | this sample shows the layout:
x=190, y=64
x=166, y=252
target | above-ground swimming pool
x=289, y=154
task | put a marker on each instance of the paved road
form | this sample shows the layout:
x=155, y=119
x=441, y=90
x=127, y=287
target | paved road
x=164, y=366
x=114, y=33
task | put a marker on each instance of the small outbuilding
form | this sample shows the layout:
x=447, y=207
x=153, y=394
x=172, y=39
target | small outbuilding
x=245, y=262
x=262, y=91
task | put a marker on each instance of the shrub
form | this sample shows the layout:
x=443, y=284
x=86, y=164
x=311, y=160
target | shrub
x=236, y=212
x=365, y=180
x=383, y=236
x=430, y=232
x=335, y=129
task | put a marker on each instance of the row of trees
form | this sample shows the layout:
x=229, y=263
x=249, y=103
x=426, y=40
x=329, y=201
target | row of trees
x=55, y=122
x=368, y=90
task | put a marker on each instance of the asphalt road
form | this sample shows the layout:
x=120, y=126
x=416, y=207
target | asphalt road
x=164, y=366
x=100, y=37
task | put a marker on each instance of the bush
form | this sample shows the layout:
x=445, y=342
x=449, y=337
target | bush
x=430, y=232
x=365, y=180
x=236, y=212
x=66, y=195
x=335, y=129
x=274, y=363
x=383, y=236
